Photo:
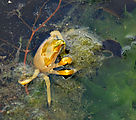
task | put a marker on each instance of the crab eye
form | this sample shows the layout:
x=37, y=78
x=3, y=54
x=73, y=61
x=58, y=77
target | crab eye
x=59, y=42
x=57, y=37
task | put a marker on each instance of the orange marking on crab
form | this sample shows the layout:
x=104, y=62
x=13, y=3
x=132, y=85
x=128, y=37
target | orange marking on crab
x=44, y=61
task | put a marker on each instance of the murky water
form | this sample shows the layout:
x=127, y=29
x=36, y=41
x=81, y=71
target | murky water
x=103, y=88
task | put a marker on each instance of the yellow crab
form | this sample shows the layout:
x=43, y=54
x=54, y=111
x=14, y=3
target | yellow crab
x=44, y=61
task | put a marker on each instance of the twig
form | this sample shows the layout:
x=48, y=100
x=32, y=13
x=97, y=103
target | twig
x=8, y=43
x=33, y=31
x=39, y=13
x=23, y=50
x=19, y=16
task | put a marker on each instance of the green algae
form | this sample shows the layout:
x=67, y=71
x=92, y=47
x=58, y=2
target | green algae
x=84, y=49
x=112, y=92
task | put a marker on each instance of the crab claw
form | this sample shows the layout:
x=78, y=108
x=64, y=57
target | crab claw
x=66, y=72
x=65, y=60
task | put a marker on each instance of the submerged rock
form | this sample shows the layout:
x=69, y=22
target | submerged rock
x=84, y=48
x=112, y=46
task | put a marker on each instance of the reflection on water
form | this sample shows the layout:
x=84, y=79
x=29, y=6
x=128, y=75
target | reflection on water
x=103, y=89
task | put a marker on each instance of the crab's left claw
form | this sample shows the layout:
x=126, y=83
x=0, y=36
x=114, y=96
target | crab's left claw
x=28, y=80
x=66, y=72
x=65, y=60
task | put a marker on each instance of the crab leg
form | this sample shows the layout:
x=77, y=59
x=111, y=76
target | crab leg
x=28, y=80
x=47, y=81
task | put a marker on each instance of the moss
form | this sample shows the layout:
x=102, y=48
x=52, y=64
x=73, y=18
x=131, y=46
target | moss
x=66, y=101
x=85, y=49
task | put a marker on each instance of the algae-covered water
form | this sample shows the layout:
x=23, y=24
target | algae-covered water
x=104, y=86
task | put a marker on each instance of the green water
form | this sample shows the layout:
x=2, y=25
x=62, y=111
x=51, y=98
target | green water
x=112, y=93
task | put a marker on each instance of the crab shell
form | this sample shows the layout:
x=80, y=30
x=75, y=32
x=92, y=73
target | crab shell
x=48, y=51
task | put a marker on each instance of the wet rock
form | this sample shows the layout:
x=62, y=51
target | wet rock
x=112, y=46
x=84, y=48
